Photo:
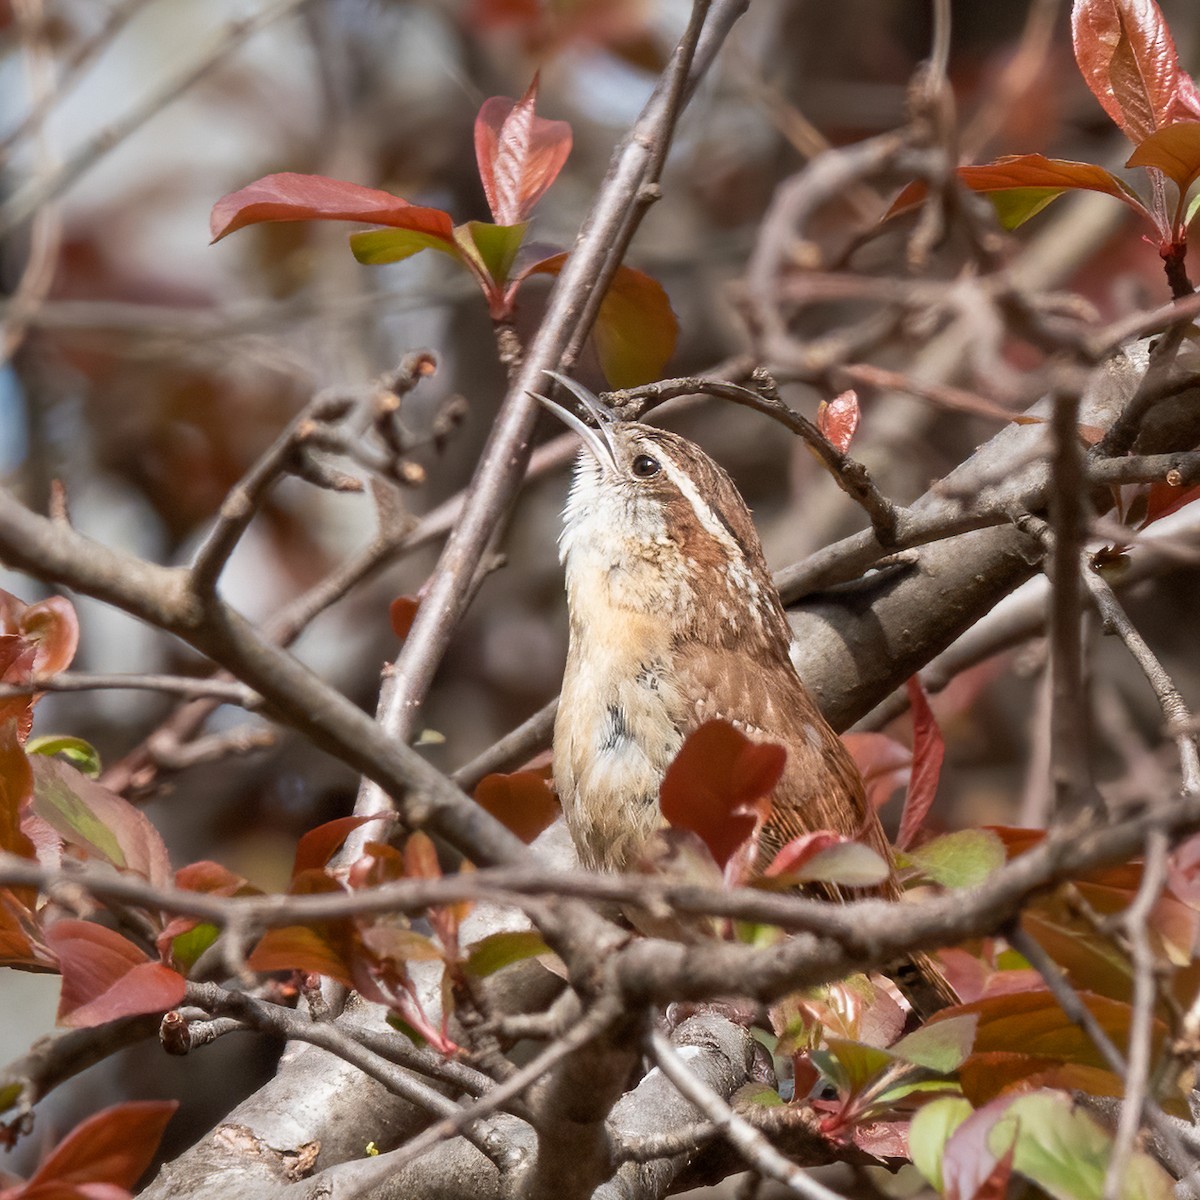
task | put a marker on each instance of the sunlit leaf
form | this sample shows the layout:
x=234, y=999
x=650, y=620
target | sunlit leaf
x=1127, y=56
x=376, y=247
x=826, y=857
x=50, y=627
x=16, y=787
x=636, y=328
x=113, y=1147
x=959, y=860
x=984, y=1077
x=293, y=197
x=319, y=845
x=494, y=247
x=928, y=752
x=519, y=154
x=930, y=1130
x=941, y=1045
x=298, y=948
x=1031, y=181
x=1174, y=150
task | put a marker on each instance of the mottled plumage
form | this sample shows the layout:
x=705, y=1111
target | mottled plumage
x=674, y=620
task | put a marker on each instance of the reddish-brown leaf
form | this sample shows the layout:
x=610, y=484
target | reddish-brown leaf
x=420, y=857
x=403, y=611
x=985, y=1076
x=717, y=786
x=105, y=976
x=636, y=328
x=298, y=948
x=523, y=801
x=292, y=197
x=1127, y=56
x=928, y=752
x=113, y=1147
x=1165, y=498
x=50, y=627
x=519, y=154
x=799, y=850
x=1174, y=150
x=837, y=419
x=319, y=845
x=1038, y=178
x=882, y=761
x=16, y=787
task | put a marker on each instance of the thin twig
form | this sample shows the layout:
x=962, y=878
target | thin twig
x=759, y=1154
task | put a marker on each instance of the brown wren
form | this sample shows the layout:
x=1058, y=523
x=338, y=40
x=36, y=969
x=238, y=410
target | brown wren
x=674, y=621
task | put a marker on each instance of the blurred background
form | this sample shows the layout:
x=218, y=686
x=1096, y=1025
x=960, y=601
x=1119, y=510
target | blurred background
x=146, y=369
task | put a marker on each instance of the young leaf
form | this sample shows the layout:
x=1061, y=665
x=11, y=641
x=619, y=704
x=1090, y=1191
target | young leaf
x=1127, y=56
x=97, y=821
x=1174, y=150
x=636, y=328
x=715, y=785
x=930, y=1130
x=83, y=756
x=825, y=857
x=298, y=948
x=16, y=787
x=928, y=752
x=1021, y=185
x=377, y=247
x=494, y=247
x=292, y=197
x=941, y=1045
x=959, y=860
x=519, y=154
x=50, y=626
x=882, y=761
x=318, y=845
x=837, y=419
x=499, y=950
x=114, y=1147
x=523, y=801
x=105, y=976
x=1166, y=498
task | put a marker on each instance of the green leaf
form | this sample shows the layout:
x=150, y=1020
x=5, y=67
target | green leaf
x=495, y=246
x=56, y=803
x=83, y=756
x=9, y=1095
x=374, y=247
x=849, y=863
x=929, y=1132
x=1066, y=1153
x=940, y=1045
x=498, y=950
x=187, y=947
x=960, y=860
x=1016, y=206
x=850, y=1066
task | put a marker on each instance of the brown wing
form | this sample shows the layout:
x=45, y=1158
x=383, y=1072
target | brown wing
x=821, y=787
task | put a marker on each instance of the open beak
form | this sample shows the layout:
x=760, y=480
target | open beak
x=598, y=442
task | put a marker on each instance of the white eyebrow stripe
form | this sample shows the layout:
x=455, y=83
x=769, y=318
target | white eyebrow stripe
x=709, y=519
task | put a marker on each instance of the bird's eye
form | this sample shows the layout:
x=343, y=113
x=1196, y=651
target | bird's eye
x=644, y=466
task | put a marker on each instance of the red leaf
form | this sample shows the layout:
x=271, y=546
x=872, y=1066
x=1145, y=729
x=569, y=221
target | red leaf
x=523, y=801
x=298, y=948
x=292, y=197
x=970, y=1171
x=716, y=785
x=420, y=858
x=1165, y=498
x=636, y=328
x=799, y=850
x=837, y=419
x=1127, y=56
x=403, y=611
x=928, y=751
x=16, y=787
x=519, y=154
x=114, y=1147
x=1174, y=150
x=97, y=821
x=1032, y=173
x=50, y=627
x=319, y=845
x=106, y=976
x=882, y=761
